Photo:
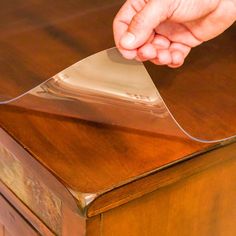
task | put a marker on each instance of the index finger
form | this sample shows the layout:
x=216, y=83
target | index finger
x=120, y=26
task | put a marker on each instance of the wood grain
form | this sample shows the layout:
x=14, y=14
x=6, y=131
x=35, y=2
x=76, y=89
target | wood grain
x=201, y=204
x=94, y=226
x=201, y=94
x=33, y=192
x=38, y=40
x=9, y=217
x=40, y=214
x=131, y=153
x=161, y=178
x=25, y=211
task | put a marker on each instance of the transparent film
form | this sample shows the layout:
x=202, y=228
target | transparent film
x=107, y=88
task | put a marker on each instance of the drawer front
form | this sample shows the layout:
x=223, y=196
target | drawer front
x=12, y=223
x=27, y=186
x=36, y=193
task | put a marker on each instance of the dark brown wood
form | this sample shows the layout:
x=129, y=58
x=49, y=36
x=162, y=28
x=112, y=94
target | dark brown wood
x=91, y=168
x=199, y=204
x=28, y=215
x=43, y=44
x=35, y=192
x=161, y=178
x=9, y=218
x=94, y=226
x=133, y=153
x=201, y=94
x=38, y=40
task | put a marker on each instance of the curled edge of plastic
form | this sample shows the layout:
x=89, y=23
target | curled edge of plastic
x=106, y=88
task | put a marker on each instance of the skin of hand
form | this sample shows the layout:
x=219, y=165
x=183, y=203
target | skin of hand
x=164, y=31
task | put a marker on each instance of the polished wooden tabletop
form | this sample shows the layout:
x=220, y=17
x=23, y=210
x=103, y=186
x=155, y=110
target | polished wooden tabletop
x=201, y=94
x=40, y=38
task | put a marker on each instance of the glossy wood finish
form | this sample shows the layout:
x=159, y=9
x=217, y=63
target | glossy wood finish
x=201, y=94
x=25, y=212
x=9, y=217
x=70, y=152
x=38, y=40
x=161, y=178
x=171, y=176
x=36, y=193
x=131, y=153
x=199, y=204
x=101, y=166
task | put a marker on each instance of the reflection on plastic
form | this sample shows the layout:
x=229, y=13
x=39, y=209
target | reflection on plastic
x=105, y=88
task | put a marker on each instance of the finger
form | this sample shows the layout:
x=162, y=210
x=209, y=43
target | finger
x=184, y=49
x=120, y=26
x=128, y=54
x=177, y=59
x=133, y=54
x=147, y=52
x=140, y=55
x=156, y=62
x=161, y=42
x=178, y=53
x=143, y=24
x=151, y=38
x=164, y=56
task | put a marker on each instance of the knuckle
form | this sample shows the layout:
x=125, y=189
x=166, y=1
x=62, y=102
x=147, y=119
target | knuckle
x=138, y=21
x=137, y=4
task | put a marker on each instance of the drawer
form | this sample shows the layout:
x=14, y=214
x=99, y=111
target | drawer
x=12, y=223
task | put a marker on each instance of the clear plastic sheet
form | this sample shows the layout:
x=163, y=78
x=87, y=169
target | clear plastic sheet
x=109, y=89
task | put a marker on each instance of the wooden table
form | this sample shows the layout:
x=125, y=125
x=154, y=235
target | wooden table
x=66, y=176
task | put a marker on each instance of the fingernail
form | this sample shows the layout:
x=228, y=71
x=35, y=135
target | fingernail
x=128, y=39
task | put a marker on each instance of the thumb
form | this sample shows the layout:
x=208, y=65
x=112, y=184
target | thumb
x=143, y=23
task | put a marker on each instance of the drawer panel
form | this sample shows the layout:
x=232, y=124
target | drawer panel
x=12, y=223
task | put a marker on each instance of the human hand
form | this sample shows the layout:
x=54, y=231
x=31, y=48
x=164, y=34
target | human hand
x=164, y=31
